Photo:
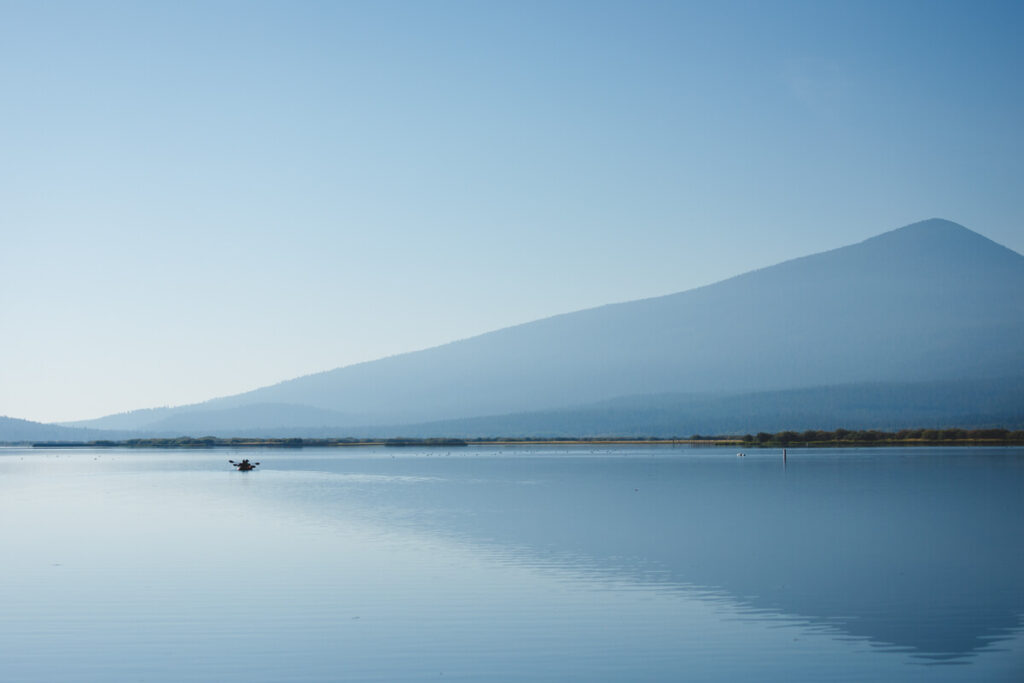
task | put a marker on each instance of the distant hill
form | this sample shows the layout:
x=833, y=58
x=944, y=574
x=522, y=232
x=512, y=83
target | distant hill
x=970, y=404
x=930, y=302
x=13, y=430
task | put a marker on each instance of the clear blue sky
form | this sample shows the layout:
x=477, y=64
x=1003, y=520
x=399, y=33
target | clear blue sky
x=197, y=199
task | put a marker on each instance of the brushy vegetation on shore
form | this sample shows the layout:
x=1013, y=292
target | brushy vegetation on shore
x=816, y=438
x=904, y=437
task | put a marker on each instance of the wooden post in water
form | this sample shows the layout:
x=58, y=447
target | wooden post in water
x=783, y=456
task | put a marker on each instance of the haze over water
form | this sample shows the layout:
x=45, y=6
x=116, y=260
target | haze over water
x=645, y=563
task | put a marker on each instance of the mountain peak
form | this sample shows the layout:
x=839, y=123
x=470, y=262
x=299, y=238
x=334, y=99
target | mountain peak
x=933, y=231
x=942, y=243
x=934, y=224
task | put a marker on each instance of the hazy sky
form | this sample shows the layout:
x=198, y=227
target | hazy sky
x=197, y=199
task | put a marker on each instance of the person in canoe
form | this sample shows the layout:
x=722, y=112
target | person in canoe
x=245, y=465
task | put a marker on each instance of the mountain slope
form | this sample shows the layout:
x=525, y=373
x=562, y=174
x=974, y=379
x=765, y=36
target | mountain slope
x=927, y=302
x=245, y=419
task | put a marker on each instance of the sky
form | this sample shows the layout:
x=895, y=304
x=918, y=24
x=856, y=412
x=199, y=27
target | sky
x=201, y=198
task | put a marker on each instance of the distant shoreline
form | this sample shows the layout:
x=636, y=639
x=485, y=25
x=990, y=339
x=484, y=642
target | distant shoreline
x=840, y=438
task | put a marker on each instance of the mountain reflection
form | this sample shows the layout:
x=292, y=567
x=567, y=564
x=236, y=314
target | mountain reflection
x=914, y=549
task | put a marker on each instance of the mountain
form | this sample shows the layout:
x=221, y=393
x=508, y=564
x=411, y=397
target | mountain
x=928, y=302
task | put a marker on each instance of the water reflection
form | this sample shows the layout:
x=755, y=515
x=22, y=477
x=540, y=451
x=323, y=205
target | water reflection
x=632, y=565
x=918, y=550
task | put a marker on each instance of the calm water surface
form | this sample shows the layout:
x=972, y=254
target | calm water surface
x=626, y=564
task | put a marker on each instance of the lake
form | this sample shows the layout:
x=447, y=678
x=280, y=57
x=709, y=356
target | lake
x=646, y=563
